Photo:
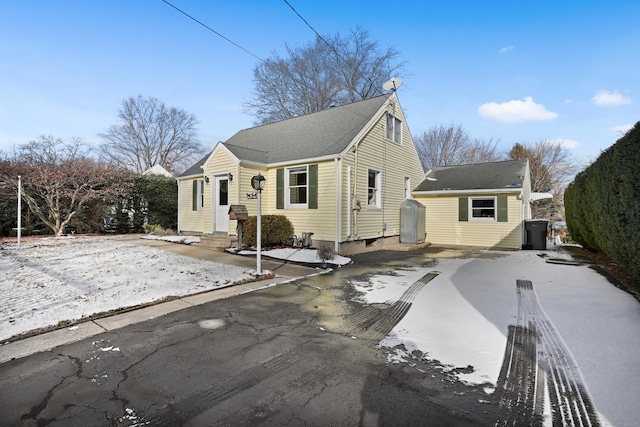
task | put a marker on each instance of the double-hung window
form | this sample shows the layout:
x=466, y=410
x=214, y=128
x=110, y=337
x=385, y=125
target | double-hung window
x=483, y=208
x=394, y=129
x=297, y=186
x=198, y=195
x=374, y=196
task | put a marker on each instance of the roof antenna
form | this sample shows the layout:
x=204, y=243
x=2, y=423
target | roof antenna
x=393, y=84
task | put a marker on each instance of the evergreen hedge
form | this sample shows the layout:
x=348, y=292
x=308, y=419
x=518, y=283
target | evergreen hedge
x=277, y=230
x=153, y=200
x=602, y=204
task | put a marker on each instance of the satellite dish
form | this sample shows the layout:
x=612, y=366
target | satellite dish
x=392, y=84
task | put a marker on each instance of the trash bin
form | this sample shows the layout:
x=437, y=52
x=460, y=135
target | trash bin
x=536, y=234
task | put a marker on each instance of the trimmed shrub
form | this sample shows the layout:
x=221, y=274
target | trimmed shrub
x=277, y=230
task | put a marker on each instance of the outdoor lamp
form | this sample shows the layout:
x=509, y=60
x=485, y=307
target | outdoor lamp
x=257, y=182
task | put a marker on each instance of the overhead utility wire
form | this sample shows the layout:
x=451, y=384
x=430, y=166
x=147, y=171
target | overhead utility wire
x=213, y=31
x=332, y=47
x=242, y=48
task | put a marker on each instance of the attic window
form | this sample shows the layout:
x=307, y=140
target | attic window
x=394, y=129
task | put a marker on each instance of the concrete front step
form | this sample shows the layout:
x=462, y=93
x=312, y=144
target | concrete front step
x=217, y=242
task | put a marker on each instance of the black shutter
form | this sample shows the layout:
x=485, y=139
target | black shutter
x=463, y=209
x=313, y=187
x=194, y=198
x=502, y=211
x=280, y=188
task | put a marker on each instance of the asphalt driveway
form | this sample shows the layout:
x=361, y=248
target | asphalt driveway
x=430, y=337
x=277, y=356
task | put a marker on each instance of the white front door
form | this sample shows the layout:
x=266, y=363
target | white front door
x=221, y=210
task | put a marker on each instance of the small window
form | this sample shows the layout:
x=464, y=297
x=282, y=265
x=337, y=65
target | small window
x=297, y=185
x=394, y=129
x=483, y=209
x=223, y=192
x=373, y=185
x=407, y=187
x=200, y=194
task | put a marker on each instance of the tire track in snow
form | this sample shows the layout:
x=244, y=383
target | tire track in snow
x=179, y=413
x=376, y=321
x=536, y=355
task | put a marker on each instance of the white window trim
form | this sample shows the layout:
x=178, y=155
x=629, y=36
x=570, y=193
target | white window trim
x=394, y=122
x=287, y=188
x=378, y=188
x=201, y=194
x=483, y=219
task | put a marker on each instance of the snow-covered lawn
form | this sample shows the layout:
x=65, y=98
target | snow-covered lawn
x=57, y=280
x=462, y=318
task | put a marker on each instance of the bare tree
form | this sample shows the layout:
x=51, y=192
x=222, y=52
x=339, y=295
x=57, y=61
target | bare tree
x=58, y=179
x=150, y=133
x=452, y=145
x=552, y=168
x=327, y=72
x=363, y=65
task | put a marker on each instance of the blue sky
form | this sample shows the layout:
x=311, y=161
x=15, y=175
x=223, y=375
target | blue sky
x=511, y=71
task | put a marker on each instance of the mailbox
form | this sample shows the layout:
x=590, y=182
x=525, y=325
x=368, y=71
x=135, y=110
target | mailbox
x=238, y=212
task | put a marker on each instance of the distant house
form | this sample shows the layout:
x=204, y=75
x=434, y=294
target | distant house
x=159, y=170
x=482, y=205
x=340, y=174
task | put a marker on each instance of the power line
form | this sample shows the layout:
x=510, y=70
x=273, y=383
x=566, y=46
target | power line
x=331, y=46
x=286, y=70
x=213, y=31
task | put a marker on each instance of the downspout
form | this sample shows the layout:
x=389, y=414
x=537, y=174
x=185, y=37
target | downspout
x=355, y=194
x=338, y=192
x=349, y=202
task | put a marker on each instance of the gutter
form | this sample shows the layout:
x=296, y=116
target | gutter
x=517, y=190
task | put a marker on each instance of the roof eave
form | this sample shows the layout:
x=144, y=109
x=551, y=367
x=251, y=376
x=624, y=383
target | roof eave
x=181, y=177
x=290, y=162
x=515, y=190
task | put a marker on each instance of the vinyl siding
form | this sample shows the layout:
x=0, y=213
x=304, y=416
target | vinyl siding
x=320, y=221
x=189, y=220
x=220, y=163
x=444, y=228
x=394, y=162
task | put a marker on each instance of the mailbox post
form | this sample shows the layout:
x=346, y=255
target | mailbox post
x=239, y=213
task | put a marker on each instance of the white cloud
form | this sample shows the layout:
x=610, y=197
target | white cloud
x=622, y=129
x=610, y=99
x=566, y=143
x=516, y=111
x=506, y=49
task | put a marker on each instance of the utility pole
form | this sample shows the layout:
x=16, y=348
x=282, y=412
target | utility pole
x=19, y=209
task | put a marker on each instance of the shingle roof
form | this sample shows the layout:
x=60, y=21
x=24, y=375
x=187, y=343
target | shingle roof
x=481, y=176
x=327, y=132
x=197, y=168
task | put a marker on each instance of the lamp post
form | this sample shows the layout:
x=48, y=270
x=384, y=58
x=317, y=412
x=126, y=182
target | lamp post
x=257, y=182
